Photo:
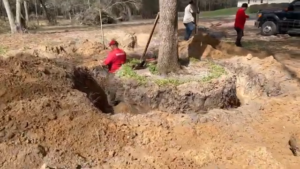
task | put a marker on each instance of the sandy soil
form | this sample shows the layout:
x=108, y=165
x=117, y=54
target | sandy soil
x=44, y=121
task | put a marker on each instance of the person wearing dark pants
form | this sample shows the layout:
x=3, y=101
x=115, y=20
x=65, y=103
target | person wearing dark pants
x=239, y=24
x=189, y=27
x=189, y=20
x=240, y=34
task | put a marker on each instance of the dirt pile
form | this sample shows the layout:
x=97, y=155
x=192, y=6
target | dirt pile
x=43, y=119
x=260, y=78
x=92, y=17
x=84, y=48
x=88, y=48
x=204, y=46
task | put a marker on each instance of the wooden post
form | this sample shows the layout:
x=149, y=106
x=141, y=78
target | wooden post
x=101, y=26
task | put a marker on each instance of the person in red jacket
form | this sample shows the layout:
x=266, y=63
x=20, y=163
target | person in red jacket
x=116, y=57
x=239, y=24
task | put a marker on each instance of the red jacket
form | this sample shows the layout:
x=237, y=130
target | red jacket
x=115, y=59
x=240, y=18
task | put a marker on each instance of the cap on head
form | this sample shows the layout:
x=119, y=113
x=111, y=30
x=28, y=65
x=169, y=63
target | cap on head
x=113, y=42
x=244, y=5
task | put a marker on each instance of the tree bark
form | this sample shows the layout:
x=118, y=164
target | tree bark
x=10, y=16
x=49, y=16
x=129, y=15
x=36, y=13
x=26, y=11
x=168, y=49
x=18, y=12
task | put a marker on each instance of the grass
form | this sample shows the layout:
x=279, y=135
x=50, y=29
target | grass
x=152, y=68
x=216, y=71
x=126, y=71
x=193, y=60
x=221, y=12
x=2, y=50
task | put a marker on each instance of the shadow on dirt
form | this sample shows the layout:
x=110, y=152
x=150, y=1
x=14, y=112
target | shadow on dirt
x=289, y=46
x=84, y=82
x=197, y=46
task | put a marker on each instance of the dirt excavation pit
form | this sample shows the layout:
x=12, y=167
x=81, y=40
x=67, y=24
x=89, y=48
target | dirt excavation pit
x=54, y=114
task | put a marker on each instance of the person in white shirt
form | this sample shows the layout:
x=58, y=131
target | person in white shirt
x=189, y=20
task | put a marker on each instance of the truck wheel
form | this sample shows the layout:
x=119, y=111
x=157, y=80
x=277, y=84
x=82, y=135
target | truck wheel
x=268, y=28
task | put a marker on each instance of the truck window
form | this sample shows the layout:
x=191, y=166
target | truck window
x=291, y=7
x=297, y=6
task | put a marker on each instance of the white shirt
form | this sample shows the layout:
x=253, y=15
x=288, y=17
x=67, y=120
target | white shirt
x=188, y=17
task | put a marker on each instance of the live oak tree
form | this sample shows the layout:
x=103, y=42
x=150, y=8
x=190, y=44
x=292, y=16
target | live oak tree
x=168, y=49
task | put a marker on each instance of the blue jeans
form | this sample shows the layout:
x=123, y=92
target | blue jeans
x=189, y=27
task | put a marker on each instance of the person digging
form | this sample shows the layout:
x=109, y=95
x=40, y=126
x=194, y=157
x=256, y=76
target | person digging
x=239, y=24
x=115, y=58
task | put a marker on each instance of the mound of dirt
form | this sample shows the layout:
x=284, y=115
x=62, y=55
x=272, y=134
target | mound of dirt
x=44, y=119
x=92, y=17
x=88, y=48
x=203, y=46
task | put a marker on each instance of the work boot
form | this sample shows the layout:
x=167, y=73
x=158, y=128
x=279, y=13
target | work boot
x=238, y=44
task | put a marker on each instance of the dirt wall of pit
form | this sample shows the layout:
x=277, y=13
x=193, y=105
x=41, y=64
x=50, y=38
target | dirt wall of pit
x=186, y=98
x=44, y=119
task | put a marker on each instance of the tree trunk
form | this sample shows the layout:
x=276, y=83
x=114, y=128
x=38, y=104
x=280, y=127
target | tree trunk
x=168, y=49
x=1, y=7
x=36, y=13
x=26, y=11
x=70, y=16
x=129, y=15
x=18, y=12
x=49, y=17
x=10, y=16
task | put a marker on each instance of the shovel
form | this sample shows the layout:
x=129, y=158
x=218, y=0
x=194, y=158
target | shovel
x=143, y=60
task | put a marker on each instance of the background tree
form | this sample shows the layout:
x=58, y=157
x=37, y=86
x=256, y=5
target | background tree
x=26, y=10
x=18, y=12
x=48, y=12
x=168, y=49
x=10, y=16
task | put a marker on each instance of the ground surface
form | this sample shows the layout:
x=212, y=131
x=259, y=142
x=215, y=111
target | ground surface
x=43, y=120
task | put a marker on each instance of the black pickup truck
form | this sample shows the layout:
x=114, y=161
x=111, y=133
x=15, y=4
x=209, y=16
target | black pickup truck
x=283, y=21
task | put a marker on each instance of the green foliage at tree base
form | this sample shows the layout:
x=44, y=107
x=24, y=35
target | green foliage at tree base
x=126, y=71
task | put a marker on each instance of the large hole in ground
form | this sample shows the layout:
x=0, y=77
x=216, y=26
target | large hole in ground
x=116, y=96
x=85, y=82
